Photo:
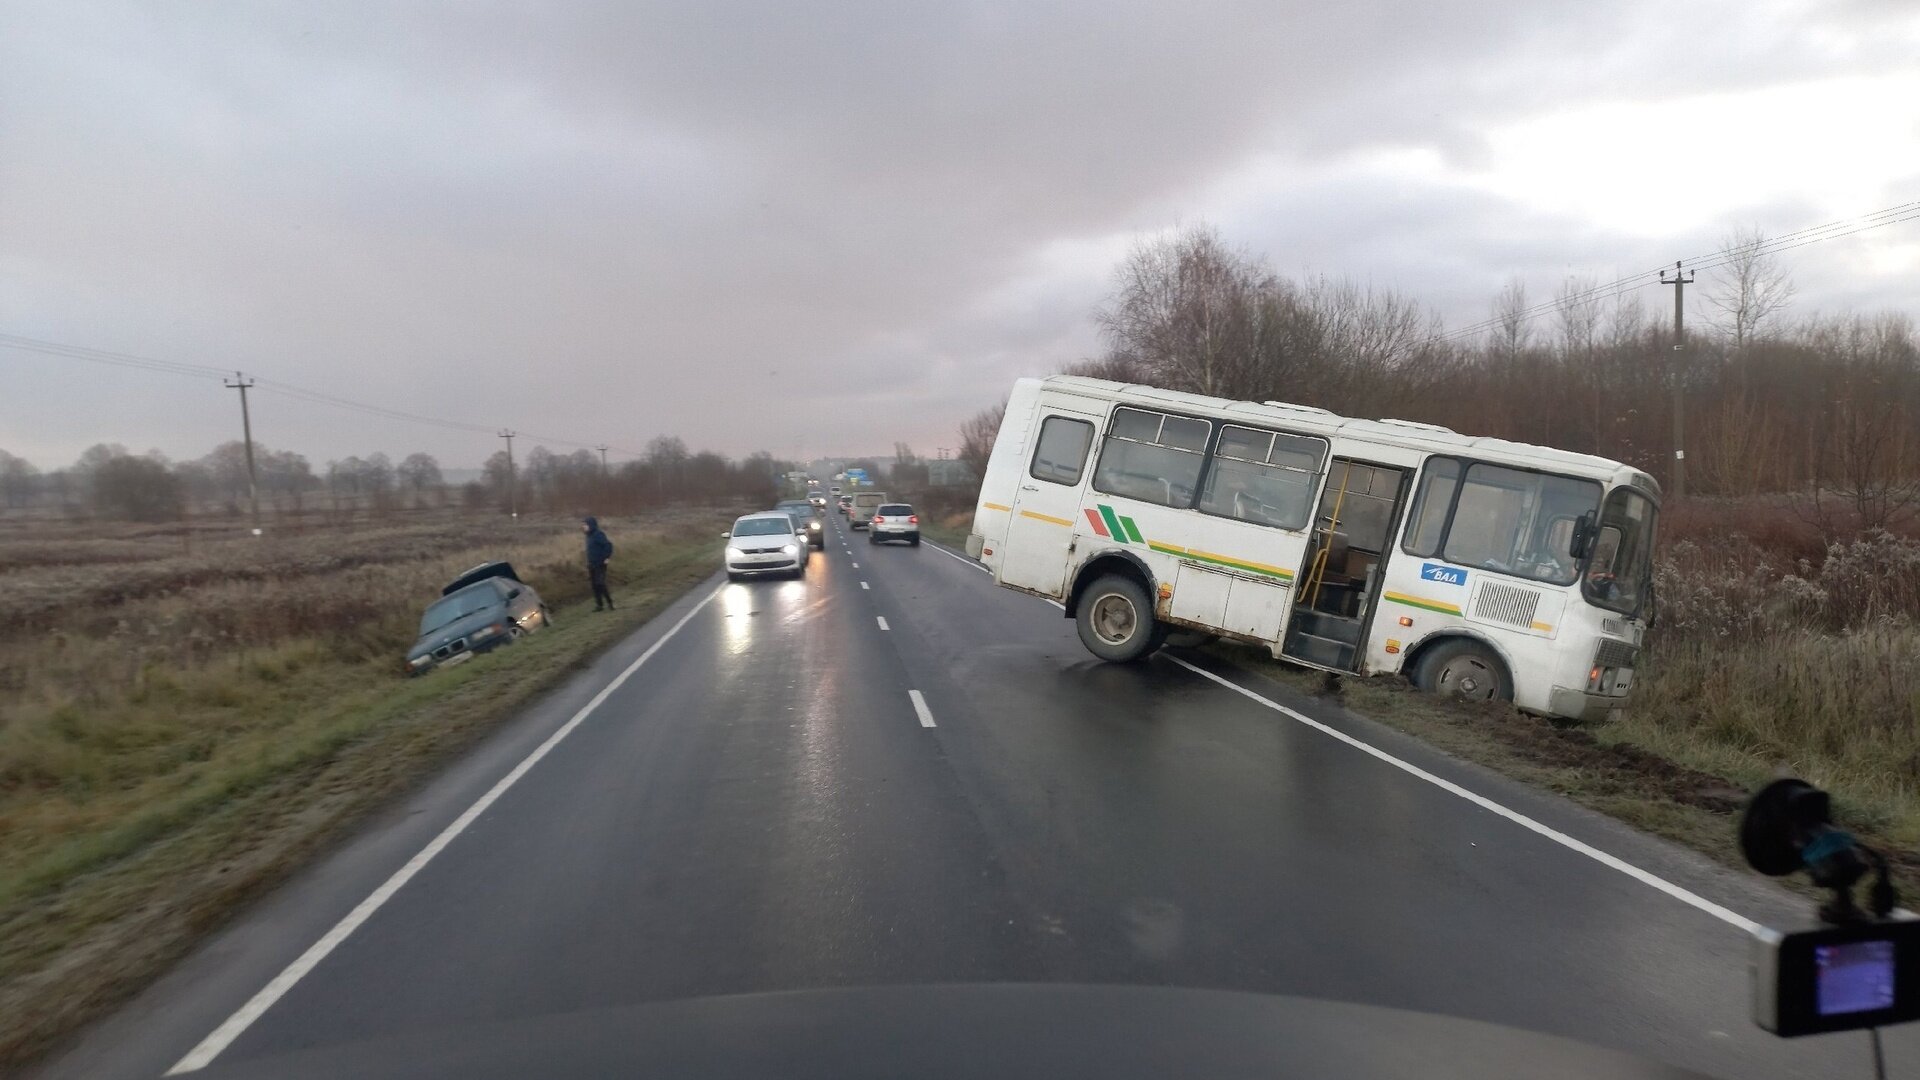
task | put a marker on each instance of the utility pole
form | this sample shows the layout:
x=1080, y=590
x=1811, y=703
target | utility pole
x=513, y=507
x=603, y=461
x=1679, y=281
x=242, y=383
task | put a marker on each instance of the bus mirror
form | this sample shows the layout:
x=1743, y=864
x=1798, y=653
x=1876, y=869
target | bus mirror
x=1580, y=544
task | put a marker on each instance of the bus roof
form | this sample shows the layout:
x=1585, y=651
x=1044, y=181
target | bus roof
x=1308, y=419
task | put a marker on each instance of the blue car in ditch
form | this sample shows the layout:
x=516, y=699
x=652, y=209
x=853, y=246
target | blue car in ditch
x=479, y=611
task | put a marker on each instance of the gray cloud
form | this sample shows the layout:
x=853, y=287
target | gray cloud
x=754, y=224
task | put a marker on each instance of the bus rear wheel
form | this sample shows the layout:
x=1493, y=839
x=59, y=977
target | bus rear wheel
x=1465, y=671
x=1115, y=619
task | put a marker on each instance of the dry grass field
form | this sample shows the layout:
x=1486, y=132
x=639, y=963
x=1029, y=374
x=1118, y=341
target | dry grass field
x=188, y=711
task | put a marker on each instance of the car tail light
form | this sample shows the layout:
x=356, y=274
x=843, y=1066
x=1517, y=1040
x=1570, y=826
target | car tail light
x=913, y=519
x=877, y=519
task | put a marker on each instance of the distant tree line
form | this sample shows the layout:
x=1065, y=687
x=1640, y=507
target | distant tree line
x=1825, y=409
x=109, y=481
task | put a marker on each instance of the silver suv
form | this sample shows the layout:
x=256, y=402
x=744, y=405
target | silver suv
x=894, y=521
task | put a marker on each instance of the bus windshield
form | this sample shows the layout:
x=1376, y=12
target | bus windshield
x=1620, y=570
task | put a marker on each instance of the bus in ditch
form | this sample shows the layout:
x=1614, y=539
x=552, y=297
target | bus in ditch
x=1480, y=568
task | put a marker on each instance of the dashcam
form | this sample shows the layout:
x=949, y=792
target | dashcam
x=1836, y=978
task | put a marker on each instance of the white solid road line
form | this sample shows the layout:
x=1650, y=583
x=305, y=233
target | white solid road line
x=1645, y=877
x=920, y=708
x=864, y=585
x=883, y=622
x=222, y=1037
x=1558, y=837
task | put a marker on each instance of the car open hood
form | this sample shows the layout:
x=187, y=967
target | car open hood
x=969, y=1031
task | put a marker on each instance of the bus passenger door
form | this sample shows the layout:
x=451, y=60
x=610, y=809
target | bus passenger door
x=1046, y=507
x=1340, y=582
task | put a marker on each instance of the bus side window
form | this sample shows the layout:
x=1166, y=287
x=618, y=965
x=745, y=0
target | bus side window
x=1430, y=506
x=1261, y=476
x=1152, y=456
x=1060, y=453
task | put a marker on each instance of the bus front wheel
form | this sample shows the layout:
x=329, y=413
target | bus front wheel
x=1115, y=618
x=1464, y=670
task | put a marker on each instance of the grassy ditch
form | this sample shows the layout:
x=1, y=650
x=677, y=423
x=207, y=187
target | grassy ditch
x=948, y=529
x=172, y=747
x=1756, y=669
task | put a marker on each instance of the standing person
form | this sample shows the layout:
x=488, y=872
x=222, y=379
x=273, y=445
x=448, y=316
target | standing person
x=599, y=550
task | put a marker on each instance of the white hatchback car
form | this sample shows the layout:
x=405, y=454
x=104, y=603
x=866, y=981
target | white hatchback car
x=765, y=543
x=894, y=521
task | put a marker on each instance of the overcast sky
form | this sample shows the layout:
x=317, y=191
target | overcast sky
x=819, y=229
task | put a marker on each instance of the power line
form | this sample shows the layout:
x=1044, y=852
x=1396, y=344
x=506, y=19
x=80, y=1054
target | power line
x=1833, y=230
x=275, y=386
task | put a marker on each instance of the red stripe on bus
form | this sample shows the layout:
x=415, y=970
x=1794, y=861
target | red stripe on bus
x=1098, y=525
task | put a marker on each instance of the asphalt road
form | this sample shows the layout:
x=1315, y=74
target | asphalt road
x=894, y=773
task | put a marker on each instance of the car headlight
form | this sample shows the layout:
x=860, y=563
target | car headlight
x=420, y=661
x=791, y=549
x=734, y=552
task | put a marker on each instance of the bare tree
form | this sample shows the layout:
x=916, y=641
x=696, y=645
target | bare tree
x=1862, y=448
x=1578, y=306
x=17, y=479
x=1749, y=286
x=1185, y=308
x=419, y=472
x=1511, y=330
x=977, y=435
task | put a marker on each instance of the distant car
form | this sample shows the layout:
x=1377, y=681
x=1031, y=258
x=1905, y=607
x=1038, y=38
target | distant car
x=835, y=489
x=479, y=611
x=801, y=510
x=894, y=521
x=844, y=501
x=818, y=500
x=862, y=507
x=765, y=543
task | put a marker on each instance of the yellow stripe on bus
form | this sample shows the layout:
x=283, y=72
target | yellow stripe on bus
x=1048, y=518
x=1544, y=628
x=996, y=506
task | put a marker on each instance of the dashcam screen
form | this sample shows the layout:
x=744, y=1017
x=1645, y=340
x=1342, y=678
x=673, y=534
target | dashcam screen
x=1853, y=978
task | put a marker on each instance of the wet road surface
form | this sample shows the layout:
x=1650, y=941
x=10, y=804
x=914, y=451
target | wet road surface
x=892, y=772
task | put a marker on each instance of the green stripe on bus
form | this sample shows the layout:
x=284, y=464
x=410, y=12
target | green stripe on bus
x=1113, y=523
x=1283, y=575
x=1133, y=531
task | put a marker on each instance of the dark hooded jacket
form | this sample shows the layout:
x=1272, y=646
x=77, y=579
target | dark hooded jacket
x=599, y=548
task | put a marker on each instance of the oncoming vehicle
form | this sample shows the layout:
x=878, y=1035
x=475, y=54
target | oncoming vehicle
x=765, y=543
x=860, y=510
x=1481, y=568
x=805, y=520
x=479, y=611
x=894, y=521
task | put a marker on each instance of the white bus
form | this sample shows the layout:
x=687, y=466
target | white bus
x=1482, y=568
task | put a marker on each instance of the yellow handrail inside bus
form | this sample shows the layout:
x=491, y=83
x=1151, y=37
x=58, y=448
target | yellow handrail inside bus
x=1326, y=540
